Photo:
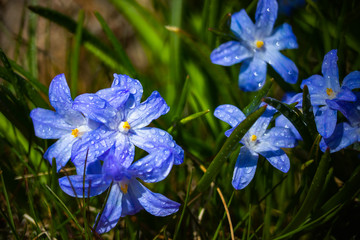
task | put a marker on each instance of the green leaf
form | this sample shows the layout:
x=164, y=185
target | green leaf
x=308, y=112
x=254, y=104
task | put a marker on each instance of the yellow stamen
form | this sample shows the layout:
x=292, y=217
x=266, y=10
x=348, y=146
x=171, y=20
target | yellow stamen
x=259, y=44
x=75, y=132
x=124, y=188
x=126, y=125
x=329, y=91
x=253, y=137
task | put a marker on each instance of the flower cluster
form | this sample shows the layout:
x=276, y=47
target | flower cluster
x=256, y=45
x=99, y=133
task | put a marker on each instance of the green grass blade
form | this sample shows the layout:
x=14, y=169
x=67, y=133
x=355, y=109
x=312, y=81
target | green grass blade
x=254, y=104
x=227, y=148
x=308, y=112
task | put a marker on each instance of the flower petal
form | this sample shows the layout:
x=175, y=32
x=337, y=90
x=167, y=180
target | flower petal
x=130, y=204
x=95, y=108
x=127, y=83
x=282, y=38
x=282, y=65
x=330, y=70
x=115, y=96
x=252, y=74
x=74, y=185
x=280, y=137
x=265, y=16
x=351, y=110
x=278, y=159
x=151, y=139
x=260, y=126
x=154, y=203
x=282, y=121
x=317, y=89
x=230, y=53
x=61, y=151
x=112, y=211
x=344, y=135
x=49, y=124
x=151, y=109
x=352, y=80
x=325, y=119
x=229, y=114
x=154, y=167
x=242, y=26
x=245, y=168
x=346, y=94
x=59, y=95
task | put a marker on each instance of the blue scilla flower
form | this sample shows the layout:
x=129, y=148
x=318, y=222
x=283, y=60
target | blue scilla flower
x=345, y=133
x=282, y=121
x=66, y=124
x=256, y=45
x=124, y=121
x=325, y=90
x=127, y=195
x=258, y=140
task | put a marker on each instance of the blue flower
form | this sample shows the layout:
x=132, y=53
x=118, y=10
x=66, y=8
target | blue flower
x=127, y=195
x=124, y=121
x=325, y=91
x=345, y=133
x=258, y=140
x=282, y=121
x=66, y=124
x=256, y=45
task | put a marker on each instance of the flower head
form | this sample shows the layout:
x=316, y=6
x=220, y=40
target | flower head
x=258, y=140
x=66, y=124
x=256, y=45
x=325, y=91
x=127, y=195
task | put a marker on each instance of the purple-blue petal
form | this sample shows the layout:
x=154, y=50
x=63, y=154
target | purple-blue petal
x=130, y=204
x=154, y=167
x=59, y=95
x=265, y=16
x=73, y=185
x=61, y=151
x=252, y=74
x=317, y=89
x=282, y=121
x=127, y=83
x=278, y=159
x=282, y=38
x=115, y=96
x=229, y=114
x=351, y=110
x=154, y=203
x=330, y=70
x=242, y=26
x=112, y=211
x=346, y=94
x=151, y=139
x=352, y=80
x=282, y=65
x=325, y=119
x=280, y=137
x=151, y=109
x=230, y=53
x=344, y=135
x=245, y=168
x=260, y=126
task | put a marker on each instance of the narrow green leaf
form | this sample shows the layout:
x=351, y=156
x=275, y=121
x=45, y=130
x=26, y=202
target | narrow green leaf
x=180, y=105
x=308, y=113
x=75, y=53
x=193, y=116
x=226, y=149
x=254, y=104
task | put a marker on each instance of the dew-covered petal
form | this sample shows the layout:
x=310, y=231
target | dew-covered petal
x=151, y=109
x=115, y=96
x=151, y=139
x=317, y=89
x=346, y=94
x=344, y=135
x=60, y=150
x=95, y=108
x=282, y=38
x=154, y=167
x=352, y=80
x=59, y=95
x=133, y=86
x=252, y=74
x=330, y=70
x=260, y=126
x=351, y=110
x=49, y=124
x=282, y=121
x=325, y=119
x=112, y=211
x=242, y=26
x=282, y=65
x=154, y=203
x=91, y=145
x=130, y=204
x=265, y=16
x=73, y=185
x=230, y=53
x=279, y=137
x=278, y=159
x=245, y=168
x=229, y=114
